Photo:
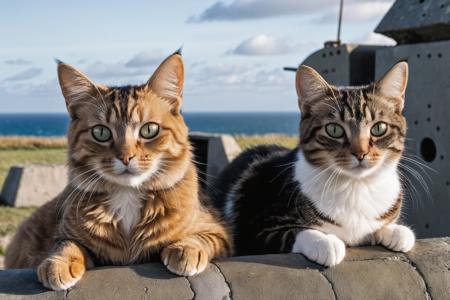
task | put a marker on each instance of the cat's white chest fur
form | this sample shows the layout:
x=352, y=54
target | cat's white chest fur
x=126, y=205
x=355, y=204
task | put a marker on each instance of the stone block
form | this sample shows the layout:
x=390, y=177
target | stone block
x=33, y=185
x=210, y=285
x=432, y=260
x=274, y=277
x=147, y=281
x=376, y=279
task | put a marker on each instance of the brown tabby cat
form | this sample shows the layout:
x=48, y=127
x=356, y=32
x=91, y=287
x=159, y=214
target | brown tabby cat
x=133, y=193
x=340, y=187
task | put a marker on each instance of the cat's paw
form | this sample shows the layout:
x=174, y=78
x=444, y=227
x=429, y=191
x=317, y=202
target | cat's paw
x=396, y=237
x=324, y=249
x=184, y=260
x=58, y=274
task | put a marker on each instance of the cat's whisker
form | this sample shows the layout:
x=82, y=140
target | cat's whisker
x=287, y=164
x=318, y=175
x=86, y=190
x=416, y=175
x=411, y=189
x=418, y=162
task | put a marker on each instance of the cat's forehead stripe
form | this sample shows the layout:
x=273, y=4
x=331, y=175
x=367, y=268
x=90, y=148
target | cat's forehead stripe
x=354, y=104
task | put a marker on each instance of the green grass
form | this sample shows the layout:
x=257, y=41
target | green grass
x=248, y=141
x=12, y=217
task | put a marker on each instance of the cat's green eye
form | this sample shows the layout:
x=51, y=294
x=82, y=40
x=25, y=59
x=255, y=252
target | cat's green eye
x=379, y=129
x=334, y=130
x=149, y=130
x=101, y=133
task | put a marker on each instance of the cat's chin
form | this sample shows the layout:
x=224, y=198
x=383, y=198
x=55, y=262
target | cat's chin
x=359, y=172
x=127, y=179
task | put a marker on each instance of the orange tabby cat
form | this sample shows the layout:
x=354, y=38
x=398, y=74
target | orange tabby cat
x=133, y=194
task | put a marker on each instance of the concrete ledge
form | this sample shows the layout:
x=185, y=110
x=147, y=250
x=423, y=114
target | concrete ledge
x=366, y=273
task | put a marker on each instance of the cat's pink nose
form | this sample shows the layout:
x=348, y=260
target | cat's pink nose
x=126, y=159
x=359, y=155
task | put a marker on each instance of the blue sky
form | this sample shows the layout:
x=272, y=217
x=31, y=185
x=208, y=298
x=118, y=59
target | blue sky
x=234, y=50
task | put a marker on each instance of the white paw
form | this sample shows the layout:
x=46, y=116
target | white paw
x=324, y=249
x=396, y=237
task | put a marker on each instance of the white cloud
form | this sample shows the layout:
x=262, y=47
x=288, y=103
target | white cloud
x=25, y=75
x=357, y=10
x=114, y=70
x=255, y=9
x=119, y=72
x=18, y=62
x=143, y=59
x=373, y=38
x=262, y=44
x=203, y=77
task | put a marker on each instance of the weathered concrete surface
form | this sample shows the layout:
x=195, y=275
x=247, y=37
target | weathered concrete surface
x=431, y=257
x=376, y=279
x=148, y=281
x=366, y=273
x=275, y=277
x=210, y=285
x=416, y=21
x=33, y=185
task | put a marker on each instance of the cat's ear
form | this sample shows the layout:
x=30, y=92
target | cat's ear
x=167, y=81
x=310, y=87
x=393, y=83
x=76, y=86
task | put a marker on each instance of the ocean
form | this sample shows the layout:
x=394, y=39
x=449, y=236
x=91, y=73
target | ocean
x=232, y=123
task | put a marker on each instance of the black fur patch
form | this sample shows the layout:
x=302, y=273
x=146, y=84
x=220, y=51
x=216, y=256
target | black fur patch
x=269, y=208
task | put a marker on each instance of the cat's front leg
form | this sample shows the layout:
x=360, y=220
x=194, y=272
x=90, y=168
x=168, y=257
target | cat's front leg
x=186, y=257
x=322, y=248
x=396, y=237
x=64, y=268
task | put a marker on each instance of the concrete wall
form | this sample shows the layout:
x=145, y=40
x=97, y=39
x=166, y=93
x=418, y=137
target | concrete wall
x=366, y=273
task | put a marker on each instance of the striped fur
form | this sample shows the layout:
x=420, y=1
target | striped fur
x=129, y=199
x=330, y=192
